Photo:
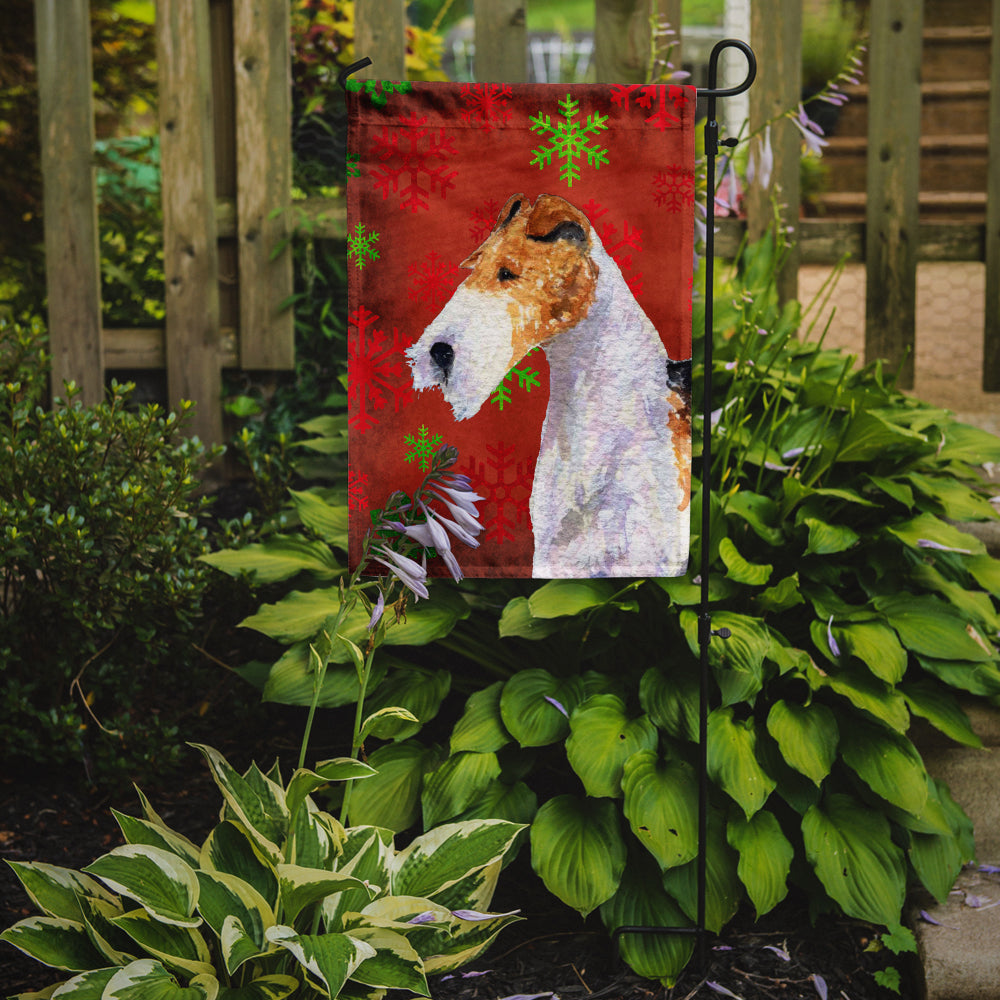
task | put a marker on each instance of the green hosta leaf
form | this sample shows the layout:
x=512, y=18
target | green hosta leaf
x=783, y=595
x=517, y=620
x=965, y=443
x=54, y=941
x=230, y=849
x=330, y=959
x=870, y=435
x=147, y=979
x=661, y=798
x=274, y=987
x=828, y=539
x=395, y=964
x=976, y=678
x=481, y=728
x=850, y=847
x=558, y=598
x=386, y=723
x=456, y=784
x=438, y=859
x=325, y=519
x=391, y=798
x=159, y=881
x=416, y=689
x=941, y=709
x=752, y=574
x=279, y=558
x=225, y=897
x=260, y=809
x=527, y=711
x=683, y=591
x=937, y=859
x=888, y=763
x=723, y=889
x=641, y=901
x=765, y=858
x=301, y=887
x=141, y=831
x=292, y=680
x=957, y=501
x=807, y=736
x=180, y=948
x=670, y=698
x=738, y=661
x=986, y=571
x=865, y=692
x=758, y=511
x=602, y=738
x=928, y=528
x=732, y=760
x=876, y=646
x=578, y=851
x=893, y=488
x=975, y=605
x=304, y=782
x=56, y=891
x=516, y=803
x=931, y=628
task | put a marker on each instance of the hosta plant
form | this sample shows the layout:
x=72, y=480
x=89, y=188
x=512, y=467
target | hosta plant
x=855, y=602
x=279, y=900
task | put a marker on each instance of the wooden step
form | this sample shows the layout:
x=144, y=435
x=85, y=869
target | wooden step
x=940, y=13
x=957, y=206
x=956, y=53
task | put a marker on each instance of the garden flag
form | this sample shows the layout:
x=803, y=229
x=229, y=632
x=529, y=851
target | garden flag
x=520, y=274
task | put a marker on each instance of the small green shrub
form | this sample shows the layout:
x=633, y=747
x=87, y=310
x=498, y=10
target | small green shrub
x=280, y=899
x=100, y=579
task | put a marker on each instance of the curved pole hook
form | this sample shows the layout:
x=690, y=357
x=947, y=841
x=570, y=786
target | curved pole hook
x=713, y=69
x=349, y=70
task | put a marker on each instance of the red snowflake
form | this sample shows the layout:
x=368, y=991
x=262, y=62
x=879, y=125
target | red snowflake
x=649, y=94
x=673, y=188
x=412, y=162
x=376, y=370
x=357, y=495
x=433, y=279
x=618, y=247
x=506, y=489
x=486, y=103
x=482, y=219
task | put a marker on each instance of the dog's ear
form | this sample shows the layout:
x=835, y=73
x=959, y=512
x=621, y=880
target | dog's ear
x=553, y=218
x=511, y=207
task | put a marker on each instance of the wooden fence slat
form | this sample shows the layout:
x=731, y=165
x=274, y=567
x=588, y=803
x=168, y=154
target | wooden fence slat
x=501, y=41
x=893, y=184
x=262, y=61
x=776, y=36
x=991, y=331
x=72, y=256
x=621, y=40
x=190, y=253
x=380, y=34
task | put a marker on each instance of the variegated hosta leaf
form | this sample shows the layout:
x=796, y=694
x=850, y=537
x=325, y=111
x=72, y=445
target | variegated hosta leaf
x=300, y=887
x=230, y=849
x=602, y=737
x=56, y=891
x=147, y=979
x=86, y=986
x=441, y=857
x=723, y=889
x=807, y=736
x=225, y=897
x=481, y=727
x=274, y=987
x=391, y=799
x=642, y=902
x=765, y=858
x=329, y=959
x=177, y=947
x=304, y=782
x=661, y=799
x=466, y=941
x=732, y=760
x=395, y=964
x=141, y=831
x=578, y=851
x=456, y=784
x=54, y=941
x=475, y=891
x=850, y=847
x=116, y=946
x=535, y=706
x=315, y=838
x=367, y=853
x=888, y=763
x=158, y=880
x=256, y=801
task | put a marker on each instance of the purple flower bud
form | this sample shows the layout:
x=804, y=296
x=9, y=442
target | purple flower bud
x=820, y=983
x=377, y=612
x=427, y=917
x=834, y=648
x=927, y=543
x=412, y=574
x=558, y=705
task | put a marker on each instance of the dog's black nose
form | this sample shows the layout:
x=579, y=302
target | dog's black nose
x=443, y=355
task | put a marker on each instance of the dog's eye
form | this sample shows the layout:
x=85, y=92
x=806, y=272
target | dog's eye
x=505, y=274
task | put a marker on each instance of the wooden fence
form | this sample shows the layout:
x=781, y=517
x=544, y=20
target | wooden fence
x=226, y=161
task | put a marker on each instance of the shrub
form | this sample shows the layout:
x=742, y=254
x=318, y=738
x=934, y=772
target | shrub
x=280, y=899
x=99, y=539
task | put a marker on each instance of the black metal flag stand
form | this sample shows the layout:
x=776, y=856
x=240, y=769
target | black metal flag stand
x=705, y=631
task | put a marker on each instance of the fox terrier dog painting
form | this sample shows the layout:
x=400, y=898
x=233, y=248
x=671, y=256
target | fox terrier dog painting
x=612, y=480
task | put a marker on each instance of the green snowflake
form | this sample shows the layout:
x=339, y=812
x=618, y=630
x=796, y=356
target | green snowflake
x=361, y=245
x=569, y=140
x=527, y=379
x=423, y=447
x=378, y=91
x=353, y=165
